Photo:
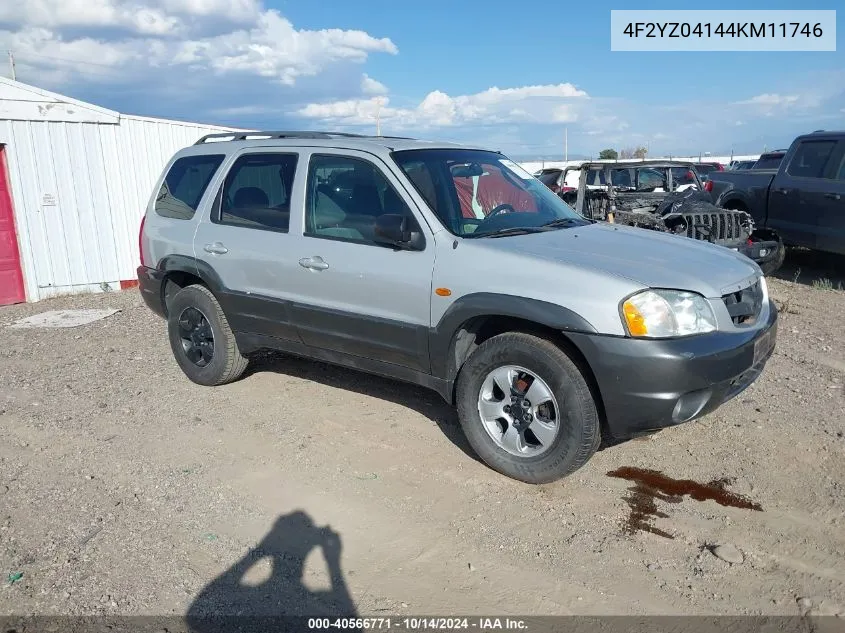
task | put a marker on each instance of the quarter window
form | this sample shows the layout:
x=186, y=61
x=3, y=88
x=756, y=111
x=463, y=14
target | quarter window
x=345, y=197
x=184, y=185
x=256, y=193
x=810, y=159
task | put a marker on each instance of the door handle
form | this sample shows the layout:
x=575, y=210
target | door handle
x=782, y=190
x=216, y=248
x=313, y=263
x=832, y=196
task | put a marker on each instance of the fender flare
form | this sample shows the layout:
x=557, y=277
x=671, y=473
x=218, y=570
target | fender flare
x=734, y=195
x=444, y=335
x=192, y=266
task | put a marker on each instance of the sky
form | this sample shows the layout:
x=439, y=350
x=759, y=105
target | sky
x=517, y=77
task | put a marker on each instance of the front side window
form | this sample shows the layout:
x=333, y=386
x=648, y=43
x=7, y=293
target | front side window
x=476, y=193
x=184, y=185
x=810, y=159
x=256, y=193
x=346, y=196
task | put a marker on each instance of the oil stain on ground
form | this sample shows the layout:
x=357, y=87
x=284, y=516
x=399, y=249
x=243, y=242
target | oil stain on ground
x=652, y=485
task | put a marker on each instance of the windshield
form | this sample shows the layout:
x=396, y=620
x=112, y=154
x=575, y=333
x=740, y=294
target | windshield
x=475, y=192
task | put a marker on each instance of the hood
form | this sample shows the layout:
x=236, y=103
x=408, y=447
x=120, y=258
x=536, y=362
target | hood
x=650, y=258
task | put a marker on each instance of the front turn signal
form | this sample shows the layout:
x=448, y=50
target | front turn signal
x=634, y=319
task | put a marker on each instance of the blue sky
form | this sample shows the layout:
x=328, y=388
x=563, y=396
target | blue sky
x=492, y=72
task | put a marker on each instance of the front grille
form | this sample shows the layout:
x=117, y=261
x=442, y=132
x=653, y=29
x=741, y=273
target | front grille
x=745, y=305
x=715, y=227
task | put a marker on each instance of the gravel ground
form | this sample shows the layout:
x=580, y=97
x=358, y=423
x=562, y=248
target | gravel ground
x=126, y=489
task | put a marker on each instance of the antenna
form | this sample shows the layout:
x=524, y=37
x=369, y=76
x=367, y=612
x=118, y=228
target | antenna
x=12, y=65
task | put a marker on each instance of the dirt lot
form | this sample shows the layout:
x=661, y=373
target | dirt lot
x=126, y=489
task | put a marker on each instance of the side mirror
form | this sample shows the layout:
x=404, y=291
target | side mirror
x=396, y=230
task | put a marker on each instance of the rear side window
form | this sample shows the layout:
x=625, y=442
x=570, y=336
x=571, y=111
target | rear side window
x=810, y=159
x=184, y=185
x=768, y=162
x=256, y=193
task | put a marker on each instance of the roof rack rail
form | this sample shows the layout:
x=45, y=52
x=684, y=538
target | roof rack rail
x=264, y=135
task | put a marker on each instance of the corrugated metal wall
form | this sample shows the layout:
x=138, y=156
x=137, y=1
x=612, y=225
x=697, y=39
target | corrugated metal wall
x=79, y=191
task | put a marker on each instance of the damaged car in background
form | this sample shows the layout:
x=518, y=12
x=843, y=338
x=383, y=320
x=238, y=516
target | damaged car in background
x=667, y=196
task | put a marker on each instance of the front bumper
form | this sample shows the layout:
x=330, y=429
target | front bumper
x=760, y=252
x=648, y=385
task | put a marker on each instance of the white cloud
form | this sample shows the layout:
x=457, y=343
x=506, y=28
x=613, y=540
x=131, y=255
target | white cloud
x=768, y=100
x=564, y=114
x=539, y=104
x=134, y=40
x=131, y=16
x=370, y=86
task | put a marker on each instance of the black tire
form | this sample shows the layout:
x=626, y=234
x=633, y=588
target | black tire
x=579, y=435
x=773, y=266
x=227, y=363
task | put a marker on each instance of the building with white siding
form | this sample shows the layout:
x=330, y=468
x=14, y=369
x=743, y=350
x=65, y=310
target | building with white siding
x=74, y=182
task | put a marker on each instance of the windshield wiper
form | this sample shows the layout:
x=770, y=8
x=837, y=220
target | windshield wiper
x=560, y=222
x=513, y=230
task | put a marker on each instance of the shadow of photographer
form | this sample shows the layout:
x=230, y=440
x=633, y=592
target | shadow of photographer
x=233, y=602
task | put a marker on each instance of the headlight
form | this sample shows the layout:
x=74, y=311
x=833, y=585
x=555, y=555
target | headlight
x=666, y=313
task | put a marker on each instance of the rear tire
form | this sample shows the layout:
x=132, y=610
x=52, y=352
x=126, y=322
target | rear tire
x=201, y=340
x=577, y=426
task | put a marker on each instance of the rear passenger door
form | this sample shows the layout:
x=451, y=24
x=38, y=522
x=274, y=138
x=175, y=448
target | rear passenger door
x=359, y=297
x=248, y=242
x=797, y=194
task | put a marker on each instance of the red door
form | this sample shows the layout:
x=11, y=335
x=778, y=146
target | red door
x=11, y=277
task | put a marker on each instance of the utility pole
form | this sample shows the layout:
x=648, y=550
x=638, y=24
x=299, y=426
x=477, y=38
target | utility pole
x=566, y=144
x=12, y=64
x=378, y=116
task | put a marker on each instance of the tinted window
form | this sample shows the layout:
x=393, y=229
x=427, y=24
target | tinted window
x=841, y=173
x=705, y=169
x=345, y=196
x=768, y=162
x=650, y=178
x=549, y=178
x=182, y=189
x=256, y=193
x=810, y=159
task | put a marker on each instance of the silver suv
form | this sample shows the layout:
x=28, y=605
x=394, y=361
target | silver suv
x=453, y=268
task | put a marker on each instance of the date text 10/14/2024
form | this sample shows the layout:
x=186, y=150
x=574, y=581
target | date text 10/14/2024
x=419, y=624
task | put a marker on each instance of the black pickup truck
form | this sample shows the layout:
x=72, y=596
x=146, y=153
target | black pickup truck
x=802, y=202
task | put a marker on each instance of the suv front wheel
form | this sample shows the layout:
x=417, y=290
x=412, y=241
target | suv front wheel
x=201, y=339
x=526, y=408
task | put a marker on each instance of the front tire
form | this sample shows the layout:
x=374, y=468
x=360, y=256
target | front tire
x=773, y=266
x=538, y=442
x=201, y=340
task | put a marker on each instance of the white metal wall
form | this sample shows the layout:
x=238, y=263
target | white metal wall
x=79, y=190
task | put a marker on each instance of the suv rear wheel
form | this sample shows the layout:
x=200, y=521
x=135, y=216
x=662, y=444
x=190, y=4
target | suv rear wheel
x=526, y=408
x=201, y=339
